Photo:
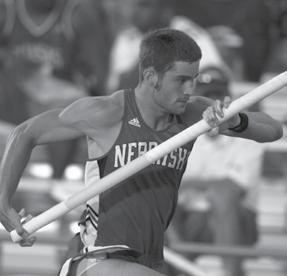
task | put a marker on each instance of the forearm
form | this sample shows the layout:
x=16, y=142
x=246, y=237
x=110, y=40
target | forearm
x=261, y=128
x=5, y=129
x=16, y=156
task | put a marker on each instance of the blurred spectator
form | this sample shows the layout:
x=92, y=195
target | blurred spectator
x=240, y=29
x=277, y=62
x=52, y=52
x=217, y=199
x=142, y=16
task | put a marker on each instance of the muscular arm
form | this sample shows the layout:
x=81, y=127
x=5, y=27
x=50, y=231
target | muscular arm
x=42, y=129
x=98, y=117
x=261, y=128
x=88, y=116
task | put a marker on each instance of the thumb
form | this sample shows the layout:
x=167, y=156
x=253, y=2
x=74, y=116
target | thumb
x=15, y=221
x=226, y=101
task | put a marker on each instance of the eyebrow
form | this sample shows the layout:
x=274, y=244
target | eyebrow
x=187, y=76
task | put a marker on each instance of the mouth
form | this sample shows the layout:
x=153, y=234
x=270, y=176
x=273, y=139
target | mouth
x=183, y=101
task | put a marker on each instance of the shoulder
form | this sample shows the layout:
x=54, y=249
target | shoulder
x=195, y=108
x=99, y=111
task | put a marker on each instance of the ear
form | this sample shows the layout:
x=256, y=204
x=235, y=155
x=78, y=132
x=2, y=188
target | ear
x=150, y=76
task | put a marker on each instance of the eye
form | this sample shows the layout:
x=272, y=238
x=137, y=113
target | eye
x=181, y=81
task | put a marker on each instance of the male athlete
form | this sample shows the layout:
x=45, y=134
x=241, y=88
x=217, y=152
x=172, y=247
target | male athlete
x=132, y=216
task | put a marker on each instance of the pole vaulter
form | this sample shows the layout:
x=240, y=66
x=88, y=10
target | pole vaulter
x=259, y=93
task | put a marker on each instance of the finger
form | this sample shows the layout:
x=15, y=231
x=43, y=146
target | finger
x=26, y=219
x=22, y=213
x=213, y=114
x=27, y=242
x=226, y=102
x=218, y=108
x=11, y=220
x=18, y=220
x=29, y=217
x=20, y=230
x=210, y=118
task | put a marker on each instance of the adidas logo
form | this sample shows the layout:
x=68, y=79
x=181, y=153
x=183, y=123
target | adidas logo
x=135, y=122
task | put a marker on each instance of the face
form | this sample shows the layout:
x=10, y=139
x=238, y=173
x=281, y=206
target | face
x=176, y=87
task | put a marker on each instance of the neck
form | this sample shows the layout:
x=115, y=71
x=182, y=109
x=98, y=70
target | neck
x=152, y=113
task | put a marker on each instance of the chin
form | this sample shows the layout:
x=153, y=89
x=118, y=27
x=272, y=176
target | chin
x=179, y=111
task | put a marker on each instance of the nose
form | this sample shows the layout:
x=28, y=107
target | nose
x=188, y=87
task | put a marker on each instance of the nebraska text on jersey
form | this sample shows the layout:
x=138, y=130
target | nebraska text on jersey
x=125, y=153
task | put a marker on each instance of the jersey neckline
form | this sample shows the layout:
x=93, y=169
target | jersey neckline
x=138, y=113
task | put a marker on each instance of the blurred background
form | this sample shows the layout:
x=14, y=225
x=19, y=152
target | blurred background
x=53, y=52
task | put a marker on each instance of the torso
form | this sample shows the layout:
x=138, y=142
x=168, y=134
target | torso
x=137, y=213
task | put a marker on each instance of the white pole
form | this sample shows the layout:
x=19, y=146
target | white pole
x=151, y=156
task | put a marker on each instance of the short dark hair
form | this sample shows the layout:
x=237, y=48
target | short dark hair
x=161, y=48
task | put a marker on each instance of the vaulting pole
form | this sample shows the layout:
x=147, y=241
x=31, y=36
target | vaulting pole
x=114, y=178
